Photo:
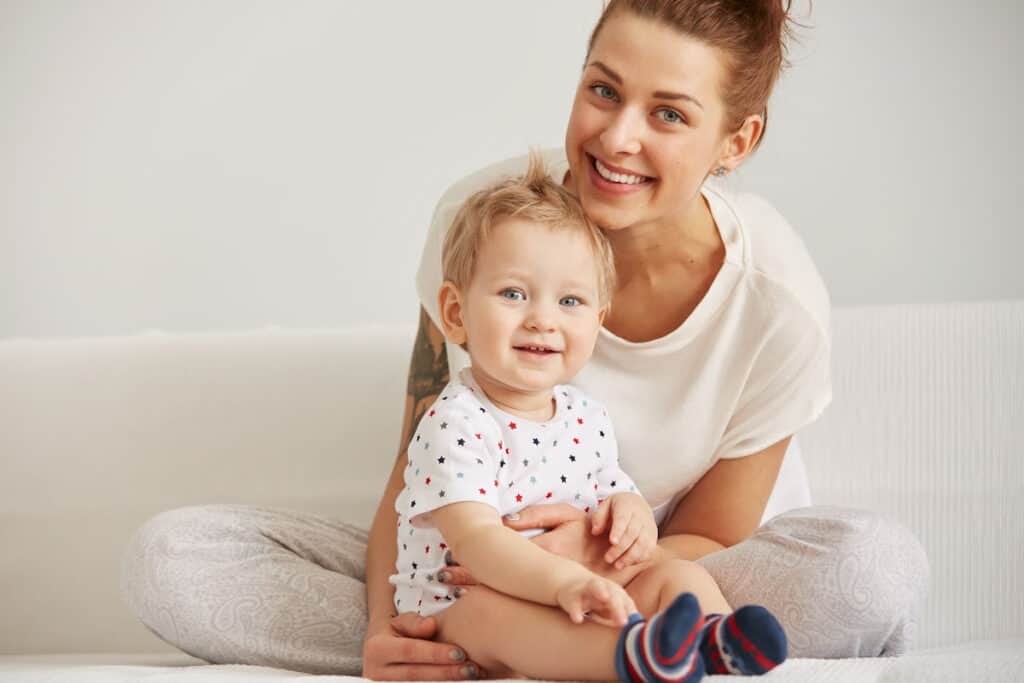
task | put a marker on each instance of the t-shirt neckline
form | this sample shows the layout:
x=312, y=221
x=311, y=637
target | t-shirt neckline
x=721, y=287
x=729, y=231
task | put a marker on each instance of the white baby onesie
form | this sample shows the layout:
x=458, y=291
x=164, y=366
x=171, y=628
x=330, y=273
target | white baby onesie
x=466, y=449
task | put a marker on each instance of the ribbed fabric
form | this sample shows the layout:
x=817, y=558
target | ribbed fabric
x=927, y=426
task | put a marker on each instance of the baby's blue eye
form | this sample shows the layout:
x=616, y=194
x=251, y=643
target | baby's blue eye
x=569, y=301
x=604, y=91
x=671, y=116
x=513, y=294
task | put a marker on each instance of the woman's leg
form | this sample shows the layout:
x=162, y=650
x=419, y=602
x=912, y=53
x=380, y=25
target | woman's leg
x=843, y=582
x=238, y=584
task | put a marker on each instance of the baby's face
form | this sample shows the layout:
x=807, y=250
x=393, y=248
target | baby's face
x=532, y=313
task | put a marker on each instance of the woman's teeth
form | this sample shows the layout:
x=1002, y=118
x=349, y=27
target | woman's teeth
x=623, y=178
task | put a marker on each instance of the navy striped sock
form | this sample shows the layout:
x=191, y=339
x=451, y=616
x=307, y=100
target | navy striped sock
x=664, y=649
x=749, y=641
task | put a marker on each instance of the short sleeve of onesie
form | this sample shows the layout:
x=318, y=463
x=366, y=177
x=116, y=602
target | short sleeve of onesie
x=449, y=463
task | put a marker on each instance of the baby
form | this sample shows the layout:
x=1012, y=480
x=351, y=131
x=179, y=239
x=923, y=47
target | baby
x=528, y=280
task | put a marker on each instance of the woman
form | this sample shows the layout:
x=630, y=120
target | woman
x=715, y=352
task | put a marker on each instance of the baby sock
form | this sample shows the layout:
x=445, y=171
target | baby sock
x=663, y=649
x=749, y=641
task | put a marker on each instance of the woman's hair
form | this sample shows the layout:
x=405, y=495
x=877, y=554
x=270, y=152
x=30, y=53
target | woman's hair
x=534, y=197
x=752, y=35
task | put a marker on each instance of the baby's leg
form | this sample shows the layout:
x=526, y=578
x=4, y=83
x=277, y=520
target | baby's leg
x=508, y=637
x=656, y=587
x=748, y=641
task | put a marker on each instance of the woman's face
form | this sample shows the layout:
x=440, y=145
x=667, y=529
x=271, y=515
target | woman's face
x=646, y=123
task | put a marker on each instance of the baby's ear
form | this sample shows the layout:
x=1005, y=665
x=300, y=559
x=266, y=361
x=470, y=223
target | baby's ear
x=452, y=325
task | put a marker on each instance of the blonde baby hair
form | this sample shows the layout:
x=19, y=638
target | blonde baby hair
x=536, y=197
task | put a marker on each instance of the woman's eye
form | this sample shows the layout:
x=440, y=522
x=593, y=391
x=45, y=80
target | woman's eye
x=569, y=301
x=603, y=91
x=513, y=294
x=670, y=116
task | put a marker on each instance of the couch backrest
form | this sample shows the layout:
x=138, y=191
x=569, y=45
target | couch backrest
x=927, y=426
x=97, y=435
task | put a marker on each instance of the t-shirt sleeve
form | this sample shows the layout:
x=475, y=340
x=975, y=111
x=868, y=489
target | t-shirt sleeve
x=611, y=478
x=789, y=386
x=448, y=463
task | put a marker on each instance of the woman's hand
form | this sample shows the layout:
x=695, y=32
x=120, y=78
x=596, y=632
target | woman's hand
x=634, y=533
x=401, y=650
x=606, y=602
x=568, y=534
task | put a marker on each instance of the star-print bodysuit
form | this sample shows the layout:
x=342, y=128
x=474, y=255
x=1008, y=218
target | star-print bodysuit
x=466, y=449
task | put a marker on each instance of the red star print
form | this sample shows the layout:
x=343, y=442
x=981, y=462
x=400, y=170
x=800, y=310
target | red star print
x=508, y=452
x=519, y=498
x=495, y=482
x=444, y=546
x=549, y=495
x=586, y=509
x=500, y=446
x=576, y=441
x=477, y=436
x=427, y=549
x=579, y=420
x=511, y=425
x=483, y=492
x=595, y=487
x=428, y=481
x=431, y=414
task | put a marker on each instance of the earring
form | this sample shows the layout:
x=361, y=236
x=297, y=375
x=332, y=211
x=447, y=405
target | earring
x=720, y=171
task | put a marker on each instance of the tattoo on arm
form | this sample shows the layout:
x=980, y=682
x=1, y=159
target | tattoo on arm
x=428, y=373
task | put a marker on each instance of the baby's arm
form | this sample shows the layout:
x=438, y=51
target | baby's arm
x=622, y=513
x=510, y=563
x=632, y=531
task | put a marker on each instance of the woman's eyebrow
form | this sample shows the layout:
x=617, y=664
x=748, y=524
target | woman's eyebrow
x=660, y=94
x=608, y=72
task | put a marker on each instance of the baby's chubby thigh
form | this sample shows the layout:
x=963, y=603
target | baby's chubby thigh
x=657, y=584
x=476, y=623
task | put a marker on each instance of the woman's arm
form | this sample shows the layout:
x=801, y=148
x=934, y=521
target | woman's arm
x=395, y=648
x=428, y=375
x=725, y=506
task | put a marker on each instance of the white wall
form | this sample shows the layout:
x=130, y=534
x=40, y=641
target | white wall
x=187, y=165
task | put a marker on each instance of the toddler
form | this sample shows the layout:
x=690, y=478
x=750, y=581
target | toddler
x=528, y=280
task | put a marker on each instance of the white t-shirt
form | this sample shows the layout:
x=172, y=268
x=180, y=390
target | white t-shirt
x=467, y=449
x=748, y=367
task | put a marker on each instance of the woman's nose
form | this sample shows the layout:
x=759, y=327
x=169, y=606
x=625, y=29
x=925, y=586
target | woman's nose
x=623, y=134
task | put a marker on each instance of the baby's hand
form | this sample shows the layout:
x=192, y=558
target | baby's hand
x=607, y=601
x=634, y=533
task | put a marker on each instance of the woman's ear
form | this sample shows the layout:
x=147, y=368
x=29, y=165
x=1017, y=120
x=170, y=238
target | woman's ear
x=450, y=300
x=738, y=145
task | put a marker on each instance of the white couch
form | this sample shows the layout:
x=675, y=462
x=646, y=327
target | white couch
x=97, y=435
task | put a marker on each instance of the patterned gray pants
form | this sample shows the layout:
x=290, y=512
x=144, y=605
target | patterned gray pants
x=236, y=584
